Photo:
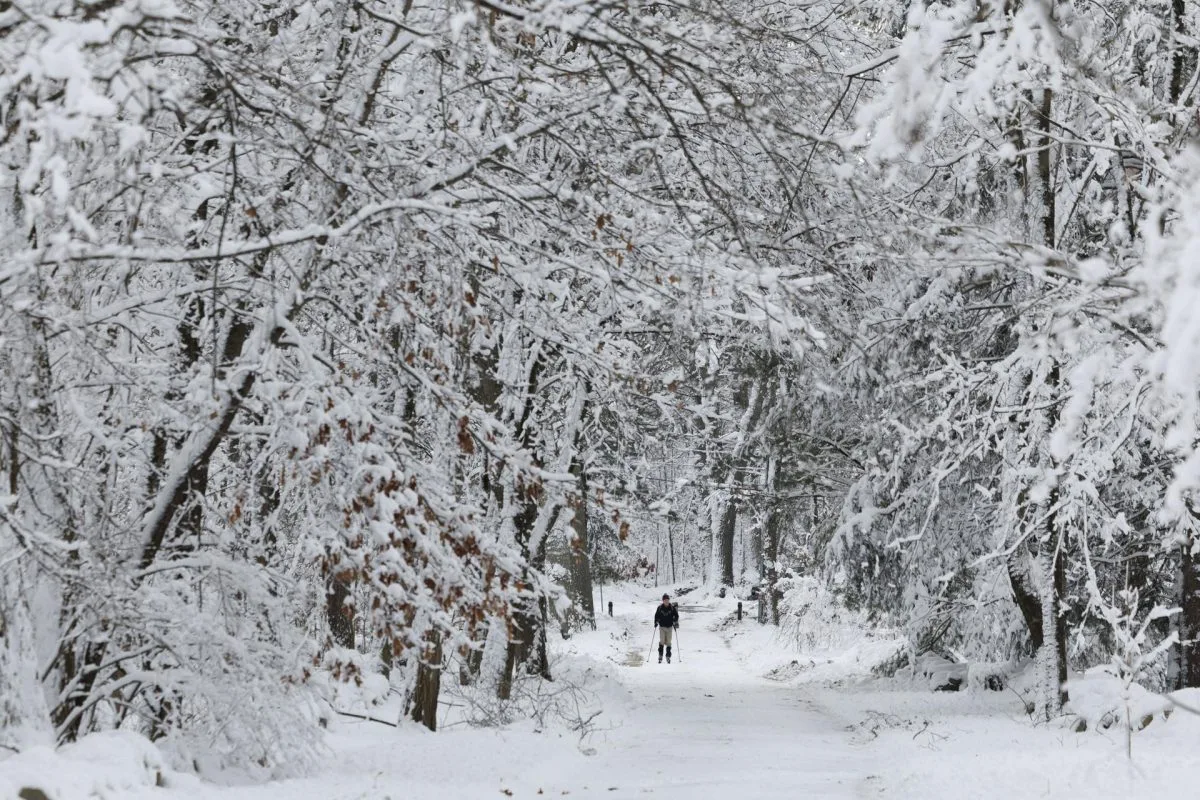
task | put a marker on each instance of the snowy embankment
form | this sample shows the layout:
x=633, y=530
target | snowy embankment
x=912, y=742
x=981, y=745
x=742, y=711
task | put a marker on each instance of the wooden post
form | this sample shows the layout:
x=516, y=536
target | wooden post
x=610, y=608
x=739, y=610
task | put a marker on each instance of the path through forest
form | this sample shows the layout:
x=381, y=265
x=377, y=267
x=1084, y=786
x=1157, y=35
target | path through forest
x=708, y=728
x=702, y=728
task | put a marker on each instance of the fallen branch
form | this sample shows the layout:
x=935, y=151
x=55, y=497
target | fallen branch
x=1176, y=704
x=367, y=718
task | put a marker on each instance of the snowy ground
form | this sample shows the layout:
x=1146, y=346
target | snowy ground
x=706, y=726
x=910, y=743
x=711, y=725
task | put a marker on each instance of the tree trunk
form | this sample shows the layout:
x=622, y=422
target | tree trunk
x=82, y=642
x=1188, y=650
x=671, y=550
x=538, y=660
x=528, y=634
x=1054, y=590
x=1183, y=60
x=505, y=685
x=526, y=646
x=1046, y=621
x=14, y=457
x=772, y=539
x=772, y=536
x=1045, y=169
x=1026, y=594
x=580, y=564
x=1052, y=655
x=429, y=682
x=724, y=543
x=750, y=397
x=524, y=626
x=339, y=615
x=1060, y=624
x=472, y=661
x=534, y=653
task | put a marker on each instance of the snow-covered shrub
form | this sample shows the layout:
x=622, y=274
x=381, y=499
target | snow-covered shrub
x=1136, y=651
x=573, y=700
x=814, y=618
x=993, y=675
x=349, y=680
x=108, y=764
x=234, y=703
x=1103, y=699
x=939, y=672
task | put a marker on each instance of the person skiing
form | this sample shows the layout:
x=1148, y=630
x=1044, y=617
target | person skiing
x=666, y=619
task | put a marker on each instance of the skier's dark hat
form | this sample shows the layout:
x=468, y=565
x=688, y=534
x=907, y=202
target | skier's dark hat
x=666, y=597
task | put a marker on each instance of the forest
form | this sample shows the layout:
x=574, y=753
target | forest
x=360, y=338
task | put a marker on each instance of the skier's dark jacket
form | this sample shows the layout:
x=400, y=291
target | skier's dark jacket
x=667, y=617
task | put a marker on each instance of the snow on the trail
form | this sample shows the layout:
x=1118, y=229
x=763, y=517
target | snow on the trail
x=981, y=745
x=702, y=727
x=741, y=713
x=705, y=726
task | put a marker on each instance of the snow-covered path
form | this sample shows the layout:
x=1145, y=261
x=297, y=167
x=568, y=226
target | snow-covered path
x=702, y=728
x=707, y=728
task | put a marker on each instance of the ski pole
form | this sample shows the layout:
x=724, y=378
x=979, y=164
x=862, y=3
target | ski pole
x=653, y=631
x=678, y=647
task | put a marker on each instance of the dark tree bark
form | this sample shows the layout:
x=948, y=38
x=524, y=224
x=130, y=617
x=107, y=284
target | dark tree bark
x=1055, y=592
x=725, y=534
x=429, y=683
x=1055, y=538
x=1059, y=571
x=1025, y=594
x=505, y=686
x=538, y=659
x=472, y=659
x=339, y=615
x=1188, y=675
x=1045, y=169
x=671, y=549
x=1188, y=650
x=527, y=644
x=525, y=620
x=773, y=530
x=580, y=564
x=1042, y=607
x=1183, y=60
x=772, y=536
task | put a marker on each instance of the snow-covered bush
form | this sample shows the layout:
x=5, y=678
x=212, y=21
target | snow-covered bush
x=108, y=764
x=579, y=694
x=1102, y=699
x=814, y=618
